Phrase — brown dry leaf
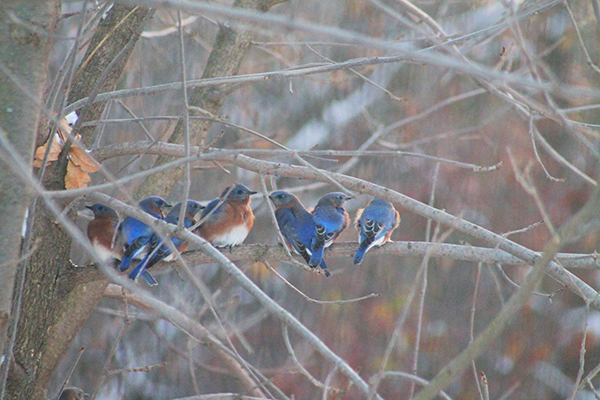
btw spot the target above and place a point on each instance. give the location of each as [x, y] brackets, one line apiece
[77, 154]
[64, 130]
[52, 156]
[62, 133]
[76, 177]
[80, 162]
[82, 159]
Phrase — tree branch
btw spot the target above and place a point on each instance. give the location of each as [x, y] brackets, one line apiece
[275, 252]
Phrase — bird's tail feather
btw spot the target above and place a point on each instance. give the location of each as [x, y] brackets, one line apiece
[360, 253]
[316, 257]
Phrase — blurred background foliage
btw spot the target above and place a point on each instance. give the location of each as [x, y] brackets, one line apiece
[537, 357]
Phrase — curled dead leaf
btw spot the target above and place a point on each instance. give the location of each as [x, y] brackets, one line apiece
[52, 156]
[80, 162]
[76, 177]
[82, 159]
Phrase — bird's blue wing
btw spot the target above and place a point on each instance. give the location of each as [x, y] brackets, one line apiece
[329, 222]
[374, 223]
[136, 235]
[209, 208]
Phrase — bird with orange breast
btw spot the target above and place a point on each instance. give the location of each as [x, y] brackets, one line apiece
[226, 221]
[104, 234]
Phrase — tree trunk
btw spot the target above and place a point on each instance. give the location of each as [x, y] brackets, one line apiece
[53, 311]
[24, 57]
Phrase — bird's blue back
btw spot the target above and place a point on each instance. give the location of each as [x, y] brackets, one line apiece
[330, 219]
[138, 235]
[376, 220]
[333, 219]
[193, 207]
[380, 211]
[296, 225]
[210, 206]
[133, 229]
[238, 193]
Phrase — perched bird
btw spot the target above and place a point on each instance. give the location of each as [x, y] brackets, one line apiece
[229, 223]
[73, 393]
[375, 224]
[163, 251]
[330, 219]
[137, 235]
[296, 225]
[104, 234]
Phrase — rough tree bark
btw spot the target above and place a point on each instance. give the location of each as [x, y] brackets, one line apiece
[51, 316]
[25, 28]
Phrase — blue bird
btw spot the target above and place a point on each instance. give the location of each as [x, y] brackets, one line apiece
[137, 235]
[104, 233]
[330, 219]
[163, 252]
[229, 223]
[296, 225]
[375, 224]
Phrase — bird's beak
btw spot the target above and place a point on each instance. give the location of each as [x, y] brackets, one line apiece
[252, 192]
[89, 207]
[349, 198]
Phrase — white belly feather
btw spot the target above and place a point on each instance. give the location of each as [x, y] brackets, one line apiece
[233, 237]
[104, 254]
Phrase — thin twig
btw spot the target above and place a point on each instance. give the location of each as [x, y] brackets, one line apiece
[376, 379]
[187, 181]
[68, 377]
[311, 300]
[298, 364]
[591, 64]
[472, 327]
[486, 388]
[524, 179]
[582, 353]
[105, 371]
[423, 291]
[537, 155]
[146, 368]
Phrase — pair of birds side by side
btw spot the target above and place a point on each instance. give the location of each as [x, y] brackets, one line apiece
[309, 233]
[122, 242]
[226, 221]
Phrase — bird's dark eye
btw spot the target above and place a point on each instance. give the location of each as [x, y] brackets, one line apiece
[280, 196]
[240, 191]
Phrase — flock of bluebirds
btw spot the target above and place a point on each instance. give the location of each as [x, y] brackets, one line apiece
[227, 220]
